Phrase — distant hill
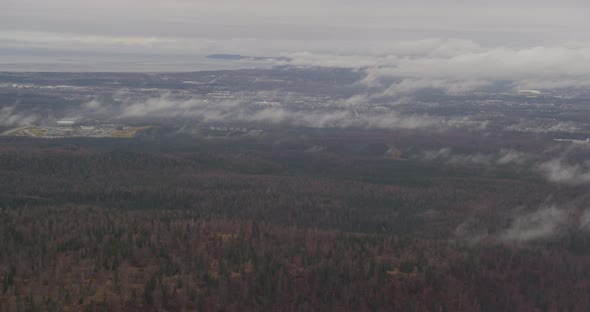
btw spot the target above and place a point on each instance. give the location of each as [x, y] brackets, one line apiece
[236, 57]
[226, 56]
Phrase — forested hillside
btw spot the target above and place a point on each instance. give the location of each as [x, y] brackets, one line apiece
[239, 225]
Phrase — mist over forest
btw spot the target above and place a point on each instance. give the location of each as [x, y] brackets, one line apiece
[294, 156]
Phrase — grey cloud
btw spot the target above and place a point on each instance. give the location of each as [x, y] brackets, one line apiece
[317, 149]
[532, 48]
[548, 221]
[556, 170]
[9, 117]
[503, 157]
[544, 223]
[329, 32]
[304, 18]
[443, 153]
[584, 220]
[458, 66]
[451, 65]
[546, 126]
[230, 110]
[559, 171]
[508, 156]
[468, 70]
[472, 230]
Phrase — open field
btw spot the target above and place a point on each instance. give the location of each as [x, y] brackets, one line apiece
[101, 131]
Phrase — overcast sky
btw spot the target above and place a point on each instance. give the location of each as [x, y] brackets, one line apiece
[353, 33]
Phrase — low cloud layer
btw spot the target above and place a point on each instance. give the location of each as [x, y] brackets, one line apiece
[396, 69]
[167, 107]
[467, 68]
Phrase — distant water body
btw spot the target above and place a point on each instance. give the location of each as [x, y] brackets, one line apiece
[126, 63]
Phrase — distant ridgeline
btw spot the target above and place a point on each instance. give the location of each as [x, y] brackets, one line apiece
[236, 57]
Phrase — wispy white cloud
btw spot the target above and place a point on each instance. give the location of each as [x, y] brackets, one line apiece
[10, 117]
[502, 157]
[232, 111]
[544, 223]
[474, 68]
[548, 221]
[560, 171]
